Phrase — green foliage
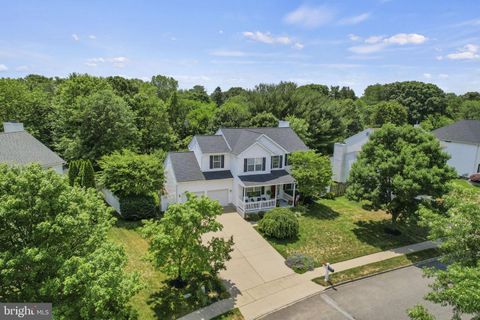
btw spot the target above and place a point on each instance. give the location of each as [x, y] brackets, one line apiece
[300, 262]
[137, 207]
[396, 166]
[217, 96]
[234, 113]
[81, 173]
[166, 86]
[312, 172]
[300, 126]
[263, 119]
[65, 257]
[279, 223]
[388, 112]
[470, 109]
[126, 173]
[433, 122]
[176, 244]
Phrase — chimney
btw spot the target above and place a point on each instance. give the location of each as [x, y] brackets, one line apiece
[13, 126]
[283, 124]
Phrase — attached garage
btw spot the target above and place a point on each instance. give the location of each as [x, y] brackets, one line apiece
[219, 195]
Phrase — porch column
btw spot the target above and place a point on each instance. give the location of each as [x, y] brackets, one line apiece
[243, 198]
[293, 201]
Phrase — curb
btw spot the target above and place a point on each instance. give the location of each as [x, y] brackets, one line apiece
[380, 272]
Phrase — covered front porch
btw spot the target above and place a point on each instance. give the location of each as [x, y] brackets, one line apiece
[264, 192]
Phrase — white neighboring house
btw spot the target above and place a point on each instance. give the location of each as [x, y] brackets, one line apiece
[244, 167]
[18, 147]
[345, 154]
[461, 140]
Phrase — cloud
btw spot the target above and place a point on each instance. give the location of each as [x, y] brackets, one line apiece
[228, 53]
[118, 62]
[3, 67]
[92, 37]
[220, 31]
[268, 38]
[468, 52]
[427, 75]
[355, 19]
[378, 43]
[309, 17]
[354, 37]
[443, 76]
[75, 37]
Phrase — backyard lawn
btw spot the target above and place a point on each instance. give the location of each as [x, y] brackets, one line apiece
[339, 229]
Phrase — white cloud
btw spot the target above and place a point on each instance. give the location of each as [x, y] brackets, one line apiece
[468, 52]
[309, 17]
[118, 62]
[228, 53]
[354, 37]
[75, 37]
[355, 19]
[427, 75]
[443, 76]
[406, 38]
[3, 67]
[268, 38]
[298, 46]
[92, 36]
[378, 43]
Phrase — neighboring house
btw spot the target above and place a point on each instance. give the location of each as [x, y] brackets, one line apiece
[18, 147]
[461, 140]
[345, 154]
[244, 167]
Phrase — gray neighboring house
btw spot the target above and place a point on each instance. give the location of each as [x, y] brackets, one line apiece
[244, 167]
[18, 147]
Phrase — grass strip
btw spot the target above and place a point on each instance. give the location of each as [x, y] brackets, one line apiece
[233, 314]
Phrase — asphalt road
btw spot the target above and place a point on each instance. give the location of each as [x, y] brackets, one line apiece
[382, 297]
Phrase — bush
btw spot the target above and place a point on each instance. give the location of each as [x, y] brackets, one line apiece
[136, 207]
[280, 223]
[255, 216]
[300, 263]
[329, 196]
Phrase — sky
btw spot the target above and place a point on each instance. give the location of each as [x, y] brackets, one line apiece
[242, 43]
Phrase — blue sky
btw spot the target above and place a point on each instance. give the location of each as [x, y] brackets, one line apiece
[243, 43]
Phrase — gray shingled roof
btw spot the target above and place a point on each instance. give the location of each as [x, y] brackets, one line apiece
[212, 144]
[275, 177]
[186, 168]
[240, 139]
[462, 131]
[22, 148]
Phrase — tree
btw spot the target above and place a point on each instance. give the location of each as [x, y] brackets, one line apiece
[434, 121]
[388, 112]
[234, 113]
[54, 247]
[217, 96]
[81, 173]
[312, 172]
[177, 245]
[470, 109]
[396, 167]
[200, 119]
[300, 126]
[127, 173]
[456, 221]
[351, 115]
[166, 86]
[263, 119]
[197, 93]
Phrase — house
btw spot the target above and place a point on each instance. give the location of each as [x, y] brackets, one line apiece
[345, 154]
[244, 167]
[18, 147]
[461, 140]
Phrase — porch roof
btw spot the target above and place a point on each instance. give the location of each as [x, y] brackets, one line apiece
[275, 177]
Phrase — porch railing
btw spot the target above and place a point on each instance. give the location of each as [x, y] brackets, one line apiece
[258, 205]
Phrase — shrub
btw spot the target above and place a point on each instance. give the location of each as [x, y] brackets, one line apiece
[329, 196]
[254, 216]
[280, 223]
[300, 262]
[136, 207]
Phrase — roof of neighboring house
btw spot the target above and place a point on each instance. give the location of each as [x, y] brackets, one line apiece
[275, 177]
[212, 144]
[22, 148]
[186, 168]
[461, 131]
[239, 139]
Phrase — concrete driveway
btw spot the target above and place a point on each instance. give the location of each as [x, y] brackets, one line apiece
[386, 296]
[257, 276]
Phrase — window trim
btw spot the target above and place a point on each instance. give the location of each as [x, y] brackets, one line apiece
[217, 161]
[257, 165]
[279, 164]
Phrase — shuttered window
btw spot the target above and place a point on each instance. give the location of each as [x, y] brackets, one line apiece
[254, 164]
[217, 161]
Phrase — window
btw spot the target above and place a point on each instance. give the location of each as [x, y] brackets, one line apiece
[277, 162]
[217, 161]
[254, 164]
[288, 188]
[254, 191]
[287, 160]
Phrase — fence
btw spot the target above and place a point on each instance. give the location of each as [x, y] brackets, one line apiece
[338, 188]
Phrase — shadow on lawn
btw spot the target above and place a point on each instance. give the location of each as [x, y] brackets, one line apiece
[321, 211]
[373, 233]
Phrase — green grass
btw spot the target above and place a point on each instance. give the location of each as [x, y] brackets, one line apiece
[339, 229]
[377, 267]
[126, 234]
[465, 184]
[234, 314]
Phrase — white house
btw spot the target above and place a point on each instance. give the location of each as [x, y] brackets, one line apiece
[461, 140]
[244, 167]
[345, 154]
[18, 147]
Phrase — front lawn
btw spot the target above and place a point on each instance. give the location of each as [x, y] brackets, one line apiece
[339, 229]
[234, 314]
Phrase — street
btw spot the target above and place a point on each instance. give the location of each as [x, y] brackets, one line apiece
[386, 296]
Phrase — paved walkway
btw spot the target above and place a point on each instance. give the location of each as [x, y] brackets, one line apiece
[260, 282]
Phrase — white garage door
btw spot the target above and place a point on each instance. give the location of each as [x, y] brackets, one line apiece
[220, 195]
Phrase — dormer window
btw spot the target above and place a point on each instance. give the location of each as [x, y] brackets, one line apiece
[277, 162]
[254, 164]
[217, 161]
